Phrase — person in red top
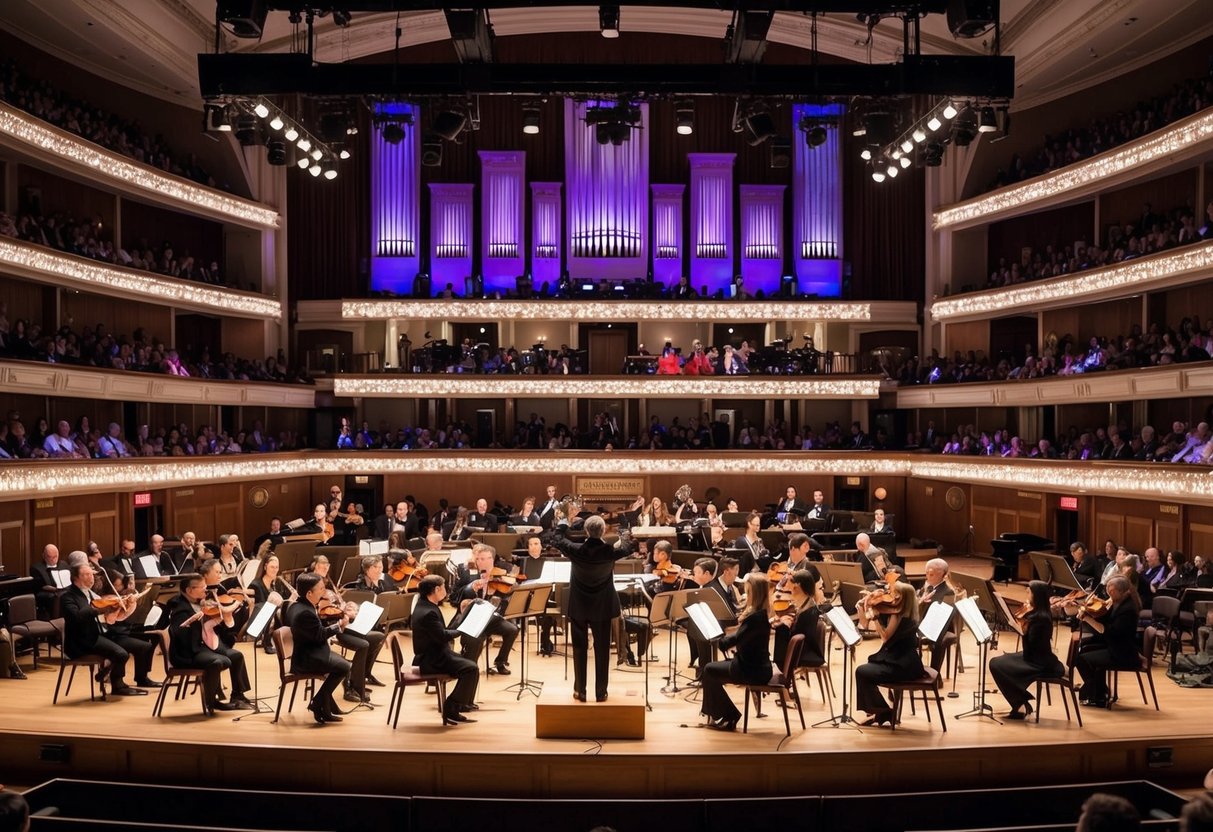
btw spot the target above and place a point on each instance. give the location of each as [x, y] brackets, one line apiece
[667, 365]
[698, 364]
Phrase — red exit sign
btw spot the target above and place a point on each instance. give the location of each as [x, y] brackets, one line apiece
[143, 499]
[1068, 504]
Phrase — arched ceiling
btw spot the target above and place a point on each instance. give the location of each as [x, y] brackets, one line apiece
[1060, 46]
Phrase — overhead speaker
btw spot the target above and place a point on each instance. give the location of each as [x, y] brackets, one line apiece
[275, 152]
[246, 17]
[971, 18]
[431, 151]
[449, 124]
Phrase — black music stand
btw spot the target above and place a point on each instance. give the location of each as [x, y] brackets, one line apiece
[677, 613]
[845, 627]
[1054, 570]
[254, 629]
[523, 603]
[973, 617]
[659, 613]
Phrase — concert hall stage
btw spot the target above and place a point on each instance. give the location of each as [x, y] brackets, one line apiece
[499, 756]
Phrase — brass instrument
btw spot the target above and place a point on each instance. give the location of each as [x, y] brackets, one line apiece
[683, 494]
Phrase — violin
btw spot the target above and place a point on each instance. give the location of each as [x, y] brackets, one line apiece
[1094, 606]
[885, 601]
[669, 573]
[108, 603]
[328, 610]
[326, 532]
[1072, 597]
[407, 576]
[503, 581]
[777, 575]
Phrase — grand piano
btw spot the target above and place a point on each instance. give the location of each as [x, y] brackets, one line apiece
[1007, 548]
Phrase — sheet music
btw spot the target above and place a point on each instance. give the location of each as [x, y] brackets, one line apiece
[844, 626]
[937, 618]
[460, 557]
[368, 617]
[1012, 622]
[477, 619]
[61, 577]
[153, 617]
[151, 566]
[372, 547]
[635, 579]
[248, 571]
[705, 620]
[257, 626]
[558, 572]
[974, 620]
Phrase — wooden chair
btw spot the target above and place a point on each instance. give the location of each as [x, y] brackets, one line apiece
[25, 624]
[782, 684]
[1065, 682]
[178, 678]
[1145, 668]
[284, 644]
[931, 681]
[94, 664]
[408, 676]
[822, 669]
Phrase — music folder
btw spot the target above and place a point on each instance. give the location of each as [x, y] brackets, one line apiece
[151, 566]
[974, 620]
[556, 572]
[61, 577]
[705, 620]
[368, 617]
[844, 626]
[937, 618]
[256, 626]
[477, 618]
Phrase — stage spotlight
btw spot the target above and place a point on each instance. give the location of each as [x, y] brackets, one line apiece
[275, 152]
[987, 123]
[877, 175]
[964, 129]
[261, 109]
[920, 135]
[949, 111]
[304, 144]
[934, 123]
[216, 117]
[392, 133]
[277, 123]
[344, 154]
[761, 126]
[291, 133]
[865, 154]
[906, 146]
[684, 114]
[816, 136]
[431, 151]
[904, 161]
[317, 154]
[892, 171]
[330, 174]
[449, 124]
[608, 21]
[314, 170]
[932, 154]
[530, 119]
[303, 163]
[246, 130]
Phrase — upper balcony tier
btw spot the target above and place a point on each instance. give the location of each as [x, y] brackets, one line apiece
[1177, 145]
[35, 140]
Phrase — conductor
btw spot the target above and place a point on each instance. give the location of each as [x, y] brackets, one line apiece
[593, 601]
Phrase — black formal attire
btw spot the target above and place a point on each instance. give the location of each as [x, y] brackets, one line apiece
[433, 654]
[870, 575]
[593, 602]
[1014, 672]
[383, 527]
[885, 529]
[384, 584]
[119, 564]
[84, 633]
[805, 624]
[43, 597]
[547, 513]
[449, 532]
[497, 626]
[897, 660]
[482, 521]
[796, 507]
[407, 527]
[188, 648]
[941, 592]
[261, 595]
[364, 653]
[1116, 649]
[312, 653]
[702, 651]
[749, 554]
[1089, 572]
[751, 664]
[817, 512]
[531, 519]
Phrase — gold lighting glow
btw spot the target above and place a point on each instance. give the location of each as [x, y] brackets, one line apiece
[627, 387]
[1129, 277]
[93, 275]
[597, 310]
[96, 160]
[1154, 147]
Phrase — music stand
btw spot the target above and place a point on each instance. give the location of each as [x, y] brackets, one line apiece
[522, 603]
[262, 615]
[1054, 570]
[659, 613]
[976, 622]
[677, 613]
[845, 627]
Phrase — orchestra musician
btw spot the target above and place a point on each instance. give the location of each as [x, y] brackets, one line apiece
[196, 640]
[534, 552]
[480, 518]
[546, 514]
[230, 556]
[527, 516]
[86, 630]
[217, 585]
[1115, 647]
[726, 583]
[123, 562]
[473, 584]
[384, 523]
[808, 604]
[371, 577]
[1086, 568]
[1014, 672]
[670, 576]
[364, 648]
[312, 653]
[819, 510]
[319, 524]
[433, 654]
[897, 660]
[715, 525]
[653, 514]
[701, 651]
[405, 521]
[791, 505]
[751, 551]
[274, 535]
[879, 526]
[47, 589]
[936, 586]
[873, 559]
[457, 529]
[751, 663]
[593, 601]
[269, 587]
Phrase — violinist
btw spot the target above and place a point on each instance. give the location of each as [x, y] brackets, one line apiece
[1015, 672]
[897, 660]
[476, 583]
[936, 586]
[48, 588]
[873, 559]
[320, 524]
[808, 602]
[312, 653]
[371, 577]
[124, 561]
[1086, 569]
[273, 536]
[433, 654]
[527, 516]
[726, 583]
[365, 648]
[751, 551]
[230, 556]
[670, 576]
[201, 635]
[404, 569]
[86, 623]
[703, 574]
[228, 589]
[751, 663]
[268, 587]
[1115, 647]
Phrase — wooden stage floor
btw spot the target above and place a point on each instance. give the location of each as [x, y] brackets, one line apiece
[499, 755]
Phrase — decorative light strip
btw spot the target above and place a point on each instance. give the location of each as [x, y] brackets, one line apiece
[23, 480]
[98, 160]
[599, 310]
[1129, 276]
[1158, 145]
[94, 275]
[626, 387]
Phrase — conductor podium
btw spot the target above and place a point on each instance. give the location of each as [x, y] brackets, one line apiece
[559, 716]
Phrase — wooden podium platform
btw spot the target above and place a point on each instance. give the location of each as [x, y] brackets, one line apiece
[559, 716]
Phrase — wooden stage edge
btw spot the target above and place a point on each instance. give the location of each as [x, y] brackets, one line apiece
[578, 773]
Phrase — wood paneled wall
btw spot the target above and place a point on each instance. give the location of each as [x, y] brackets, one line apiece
[50, 194]
[71, 522]
[998, 511]
[119, 316]
[970, 335]
[1137, 524]
[1164, 194]
[1082, 322]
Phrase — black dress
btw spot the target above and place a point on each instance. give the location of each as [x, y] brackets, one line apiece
[1014, 672]
[896, 661]
[751, 665]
